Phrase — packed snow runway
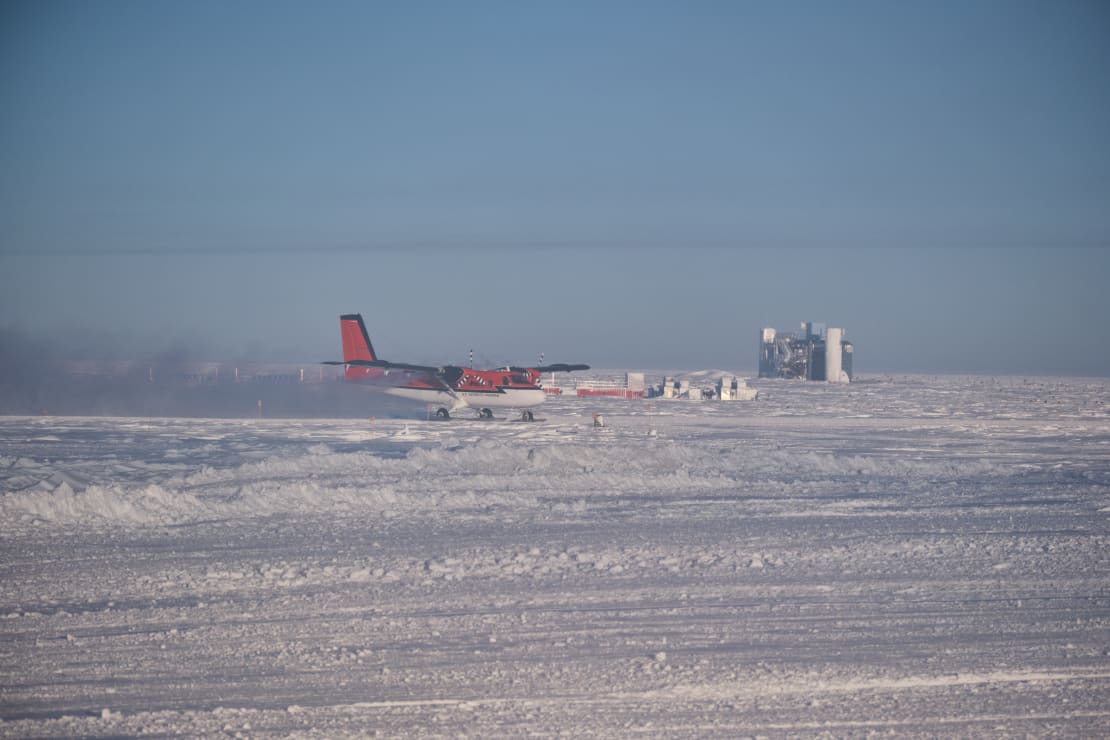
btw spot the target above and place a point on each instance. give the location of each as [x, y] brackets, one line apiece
[912, 556]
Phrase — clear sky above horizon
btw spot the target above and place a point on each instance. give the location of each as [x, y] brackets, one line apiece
[626, 184]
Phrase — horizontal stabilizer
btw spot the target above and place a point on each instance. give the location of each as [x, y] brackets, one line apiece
[557, 368]
[385, 365]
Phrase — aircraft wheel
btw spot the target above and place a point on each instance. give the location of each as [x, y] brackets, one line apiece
[442, 413]
[485, 414]
[527, 416]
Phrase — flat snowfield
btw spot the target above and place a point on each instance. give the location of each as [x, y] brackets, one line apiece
[903, 556]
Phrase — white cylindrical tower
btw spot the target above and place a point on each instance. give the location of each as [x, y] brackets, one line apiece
[832, 354]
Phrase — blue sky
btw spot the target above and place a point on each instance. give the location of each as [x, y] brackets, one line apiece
[626, 184]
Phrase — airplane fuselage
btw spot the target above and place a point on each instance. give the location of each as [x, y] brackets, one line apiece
[516, 398]
[465, 387]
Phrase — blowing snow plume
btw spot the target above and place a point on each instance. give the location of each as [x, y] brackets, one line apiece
[28, 369]
[73, 377]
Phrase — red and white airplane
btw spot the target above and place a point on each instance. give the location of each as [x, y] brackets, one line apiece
[449, 387]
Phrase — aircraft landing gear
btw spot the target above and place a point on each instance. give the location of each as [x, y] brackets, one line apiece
[485, 414]
[442, 413]
[527, 416]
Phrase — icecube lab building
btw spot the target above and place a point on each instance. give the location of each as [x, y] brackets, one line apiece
[808, 355]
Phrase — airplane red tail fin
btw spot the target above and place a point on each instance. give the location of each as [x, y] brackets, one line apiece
[356, 344]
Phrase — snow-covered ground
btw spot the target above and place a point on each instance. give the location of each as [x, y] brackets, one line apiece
[910, 555]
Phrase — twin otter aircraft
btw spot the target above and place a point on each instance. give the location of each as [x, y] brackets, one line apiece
[449, 387]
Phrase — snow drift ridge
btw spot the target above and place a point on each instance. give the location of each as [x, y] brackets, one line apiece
[425, 480]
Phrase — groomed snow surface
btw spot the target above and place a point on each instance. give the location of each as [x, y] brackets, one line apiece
[903, 556]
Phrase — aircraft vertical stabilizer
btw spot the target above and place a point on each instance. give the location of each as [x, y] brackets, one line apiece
[356, 344]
